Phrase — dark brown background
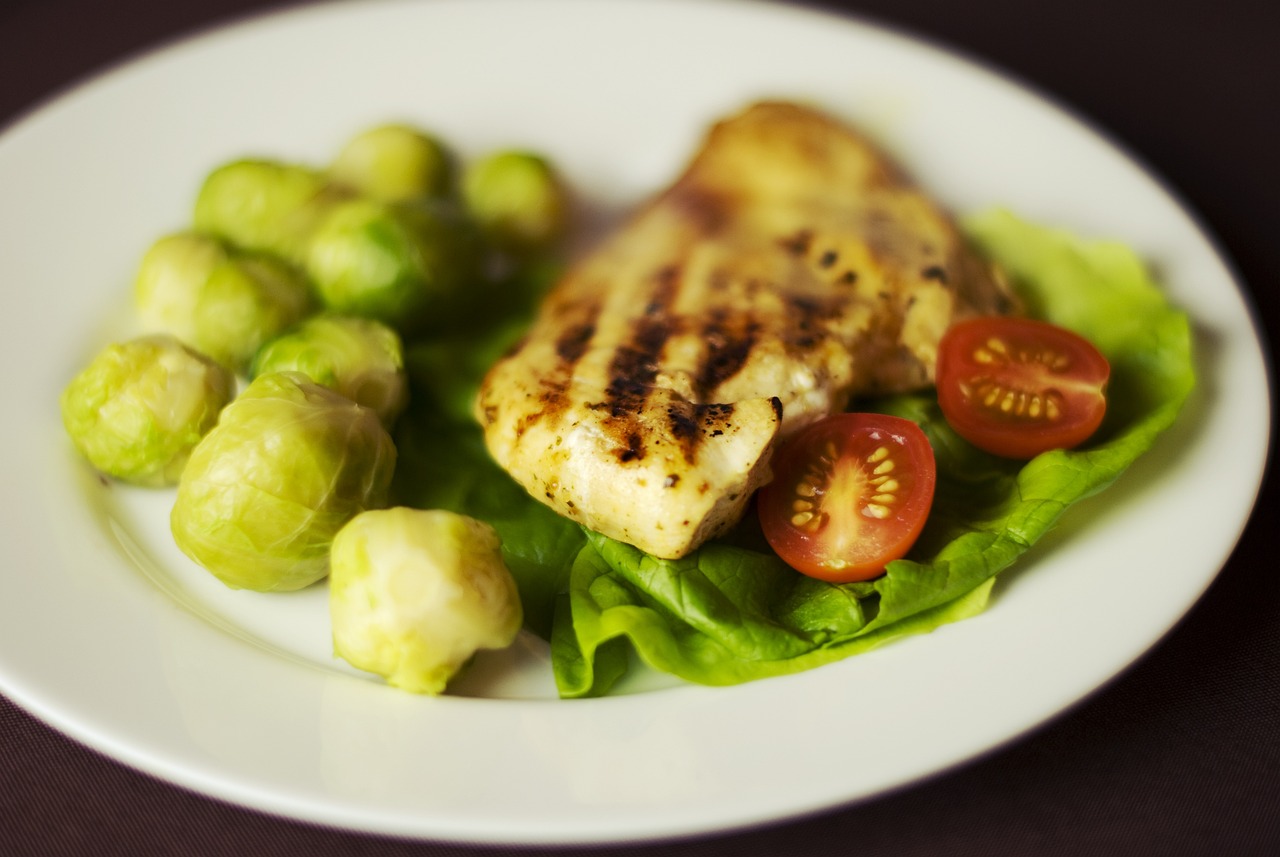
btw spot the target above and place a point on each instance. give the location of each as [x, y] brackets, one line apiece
[1179, 756]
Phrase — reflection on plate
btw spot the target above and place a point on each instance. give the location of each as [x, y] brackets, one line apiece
[107, 632]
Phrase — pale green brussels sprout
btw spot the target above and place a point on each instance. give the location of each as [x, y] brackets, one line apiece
[405, 265]
[224, 303]
[518, 199]
[360, 358]
[414, 594]
[393, 163]
[287, 465]
[264, 205]
[140, 407]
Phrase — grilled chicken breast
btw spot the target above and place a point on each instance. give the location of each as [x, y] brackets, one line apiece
[790, 268]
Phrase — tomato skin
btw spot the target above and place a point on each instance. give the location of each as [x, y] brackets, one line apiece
[1018, 387]
[850, 494]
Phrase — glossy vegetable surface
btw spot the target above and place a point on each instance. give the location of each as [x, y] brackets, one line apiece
[404, 265]
[140, 407]
[393, 163]
[224, 302]
[359, 358]
[518, 199]
[264, 205]
[264, 493]
[415, 593]
[849, 495]
[1018, 387]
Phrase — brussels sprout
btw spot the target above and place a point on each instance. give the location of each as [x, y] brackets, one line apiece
[263, 205]
[403, 265]
[360, 358]
[393, 163]
[287, 465]
[140, 407]
[414, 594]
[518, 199]
[223, 303]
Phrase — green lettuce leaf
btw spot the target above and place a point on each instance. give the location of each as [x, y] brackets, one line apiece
[732, 611]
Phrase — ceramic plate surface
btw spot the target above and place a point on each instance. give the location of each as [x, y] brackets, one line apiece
[111, 635]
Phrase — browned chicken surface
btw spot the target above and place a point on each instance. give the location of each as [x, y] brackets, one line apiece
[790, 268]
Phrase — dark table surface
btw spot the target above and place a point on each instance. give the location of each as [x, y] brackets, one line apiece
[1180, 755]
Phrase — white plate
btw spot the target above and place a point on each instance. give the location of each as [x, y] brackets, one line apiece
[109, 634]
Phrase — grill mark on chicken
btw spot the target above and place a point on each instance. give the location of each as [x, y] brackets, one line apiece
[810, 317]
[552, 400]
[683, 423]
[635, 364]
[703, 208]
[934, 272]
[634, 367]
[570, 346]
[573, 344]
[690, 424]
[729, 339]
[715, 418]
[797, 244]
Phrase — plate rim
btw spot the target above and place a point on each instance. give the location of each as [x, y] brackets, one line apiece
[68, 723]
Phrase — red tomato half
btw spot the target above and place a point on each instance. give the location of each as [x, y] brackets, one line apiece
[850, 493]
[1018, 387]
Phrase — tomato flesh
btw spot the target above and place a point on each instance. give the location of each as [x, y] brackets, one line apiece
[1017, 387]
[850, 494]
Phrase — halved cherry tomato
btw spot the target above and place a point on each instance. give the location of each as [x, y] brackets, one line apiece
[850, 493]
[1017, 387]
